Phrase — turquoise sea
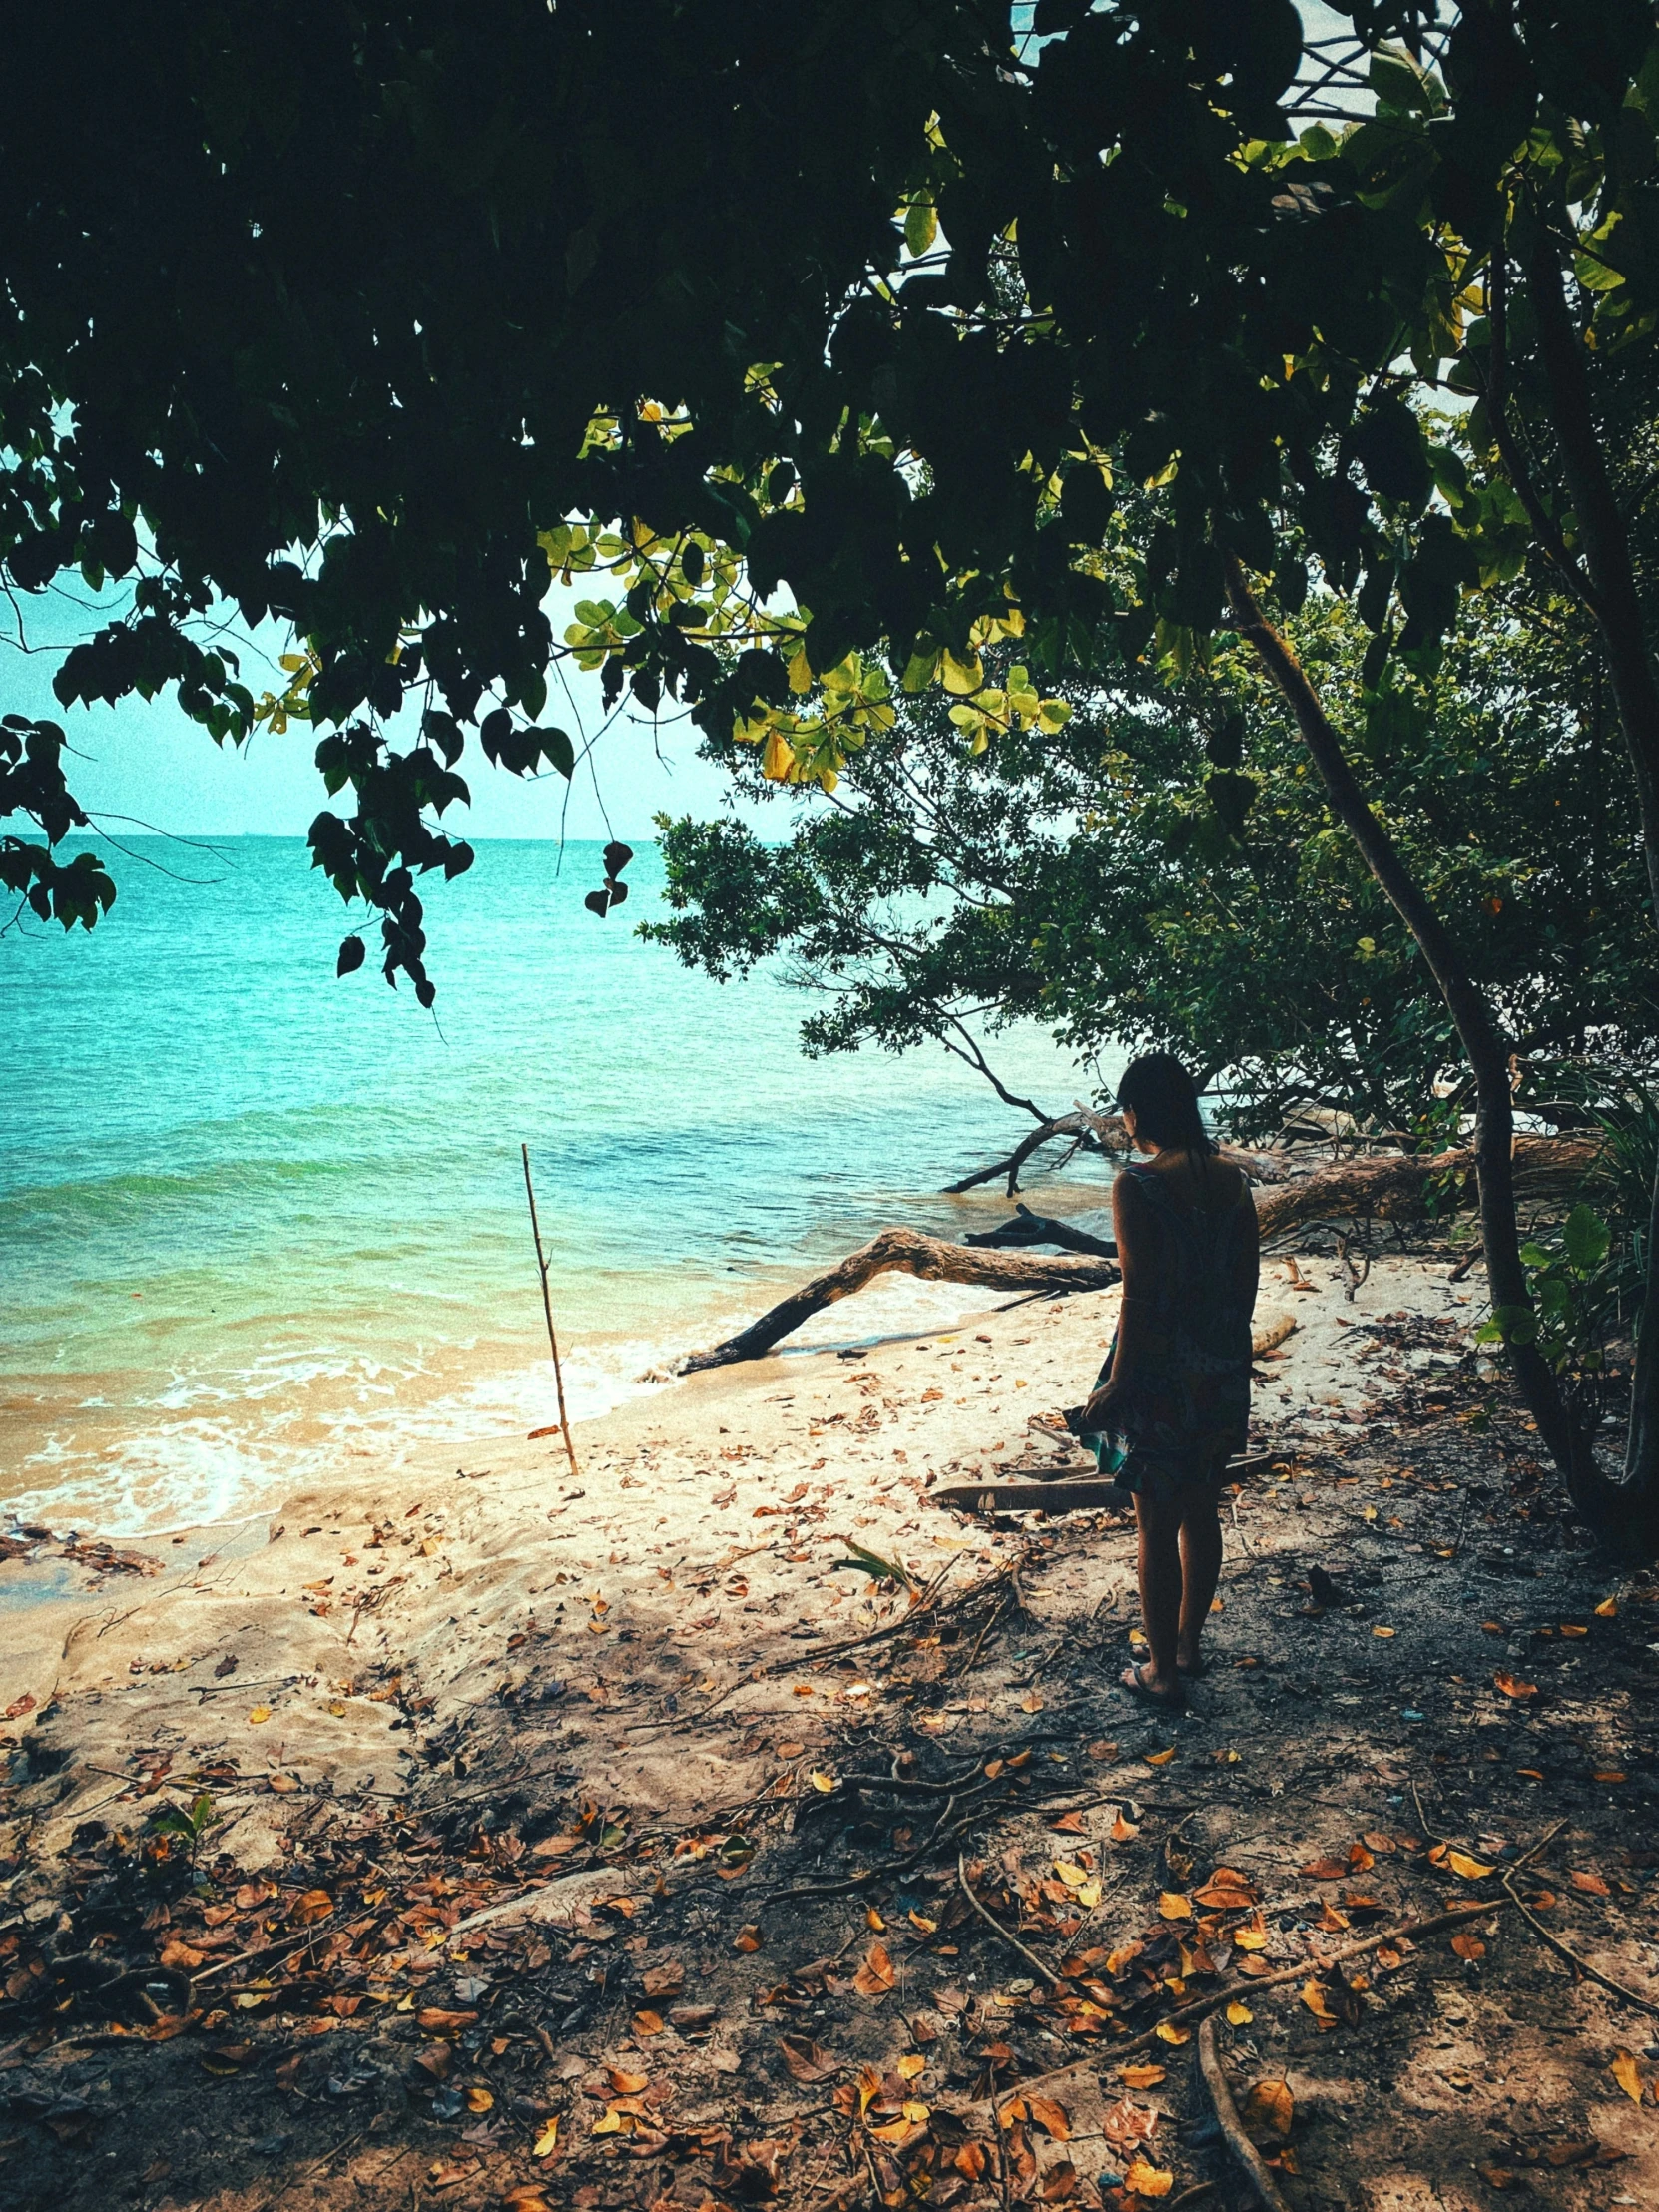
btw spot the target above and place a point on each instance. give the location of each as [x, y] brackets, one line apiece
[255, 1221]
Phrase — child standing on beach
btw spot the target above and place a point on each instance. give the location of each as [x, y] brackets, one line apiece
[1172, 1403]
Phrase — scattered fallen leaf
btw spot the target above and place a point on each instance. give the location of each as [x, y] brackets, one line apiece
[1160, 1758]
[1168, 2032]
[664, 1982]
[747, 1939]
[809, 2061]
[1468, 1947]
[1140, 2078]
[547, 2142]
[1239, 2015]
[1497, 2177]
[259, 1716]
[1384, 1631]
[1512, 1686]
[876, 1976]
[1471, 1869]
[1624, 2072]
[1143, 2180]
[1173, 1906]
[1050, 2117]
[1592, 1884]
[626, 2084]
[648, 2023]
[823, 1782]
[1325, 1870]
[1608, 1609]
[1268, 2110]
[436, 2021]
[1122, 1829]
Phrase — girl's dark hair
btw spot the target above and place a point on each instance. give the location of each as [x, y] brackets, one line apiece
[1161, 1095]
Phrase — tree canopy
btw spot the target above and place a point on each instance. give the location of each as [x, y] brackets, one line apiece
[1129, 884]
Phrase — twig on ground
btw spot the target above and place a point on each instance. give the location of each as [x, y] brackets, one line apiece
[1248, 2158]
[1565, 1951]
[990, 1920]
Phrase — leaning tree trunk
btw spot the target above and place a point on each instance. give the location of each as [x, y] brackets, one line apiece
[1562, 1436]
[912, 1253]
[1616, 607]
[1553, 1169]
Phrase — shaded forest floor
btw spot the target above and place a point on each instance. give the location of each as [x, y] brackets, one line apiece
[900, 1901]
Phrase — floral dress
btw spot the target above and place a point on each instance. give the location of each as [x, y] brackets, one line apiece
[1187, 1412]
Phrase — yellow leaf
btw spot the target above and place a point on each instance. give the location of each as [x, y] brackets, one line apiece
[480, 2100]
[1239, 2015]
[963, 677]
[1623, 2070]
[1088, 1897]
[874, 1920]
[259, 1716]
[1608, 1609]
[613, 2123]
[648, 2023]
[912, 2064]
[1160, 1758]
[1070, 1873]
[1382, 1632]
[914, 2110]
[823, 1782]
[1143, 2180]
[1140, 2078]
[1168, 2032]
[1172, 1906]
[1313, 1995]
[1471, 1869]
[1268, 2109]
[547, 2141]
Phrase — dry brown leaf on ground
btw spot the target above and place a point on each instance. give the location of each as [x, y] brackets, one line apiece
[1140, 2078]
[1052, 2118]
[1624, 2071]
[806, 2059]
[1591, 1885]
[1268, 2110]
[664, 1982]
[1467, 1945]
[1126, 2123]
[1512, 1686]
[876, 1975]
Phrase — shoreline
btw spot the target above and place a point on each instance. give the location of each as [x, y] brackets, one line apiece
[423, 1569]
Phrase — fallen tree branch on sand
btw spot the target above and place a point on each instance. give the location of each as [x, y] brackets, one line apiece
[1548, 1170]
[909, 1253]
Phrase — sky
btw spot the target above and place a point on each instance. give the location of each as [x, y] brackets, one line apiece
[147, 762]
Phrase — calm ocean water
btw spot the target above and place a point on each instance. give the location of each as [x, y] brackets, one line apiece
[255, 1221]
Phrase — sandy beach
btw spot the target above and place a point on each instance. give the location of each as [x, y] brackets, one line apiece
[604, 1842]
[712, 1521]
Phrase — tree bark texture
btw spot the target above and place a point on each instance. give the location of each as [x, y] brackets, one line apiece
[1548, 1170]
[1616, 606]
[911, 1253]
[1484, 1045]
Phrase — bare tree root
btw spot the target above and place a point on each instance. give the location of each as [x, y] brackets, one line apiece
[1238, 2142]
[910, 1252]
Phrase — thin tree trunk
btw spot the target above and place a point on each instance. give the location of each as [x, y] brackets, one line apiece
[1484, 1045]
[1616, 606]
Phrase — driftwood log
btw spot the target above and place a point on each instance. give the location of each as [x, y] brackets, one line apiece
[1099, 1132]
[910, 1252]
[1548, 1171]
[1028, 1228]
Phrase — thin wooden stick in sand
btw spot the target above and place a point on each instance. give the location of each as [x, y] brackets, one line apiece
[547, 1309]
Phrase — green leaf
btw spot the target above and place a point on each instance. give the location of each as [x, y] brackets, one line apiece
[1585, 1239]
[921, 223]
